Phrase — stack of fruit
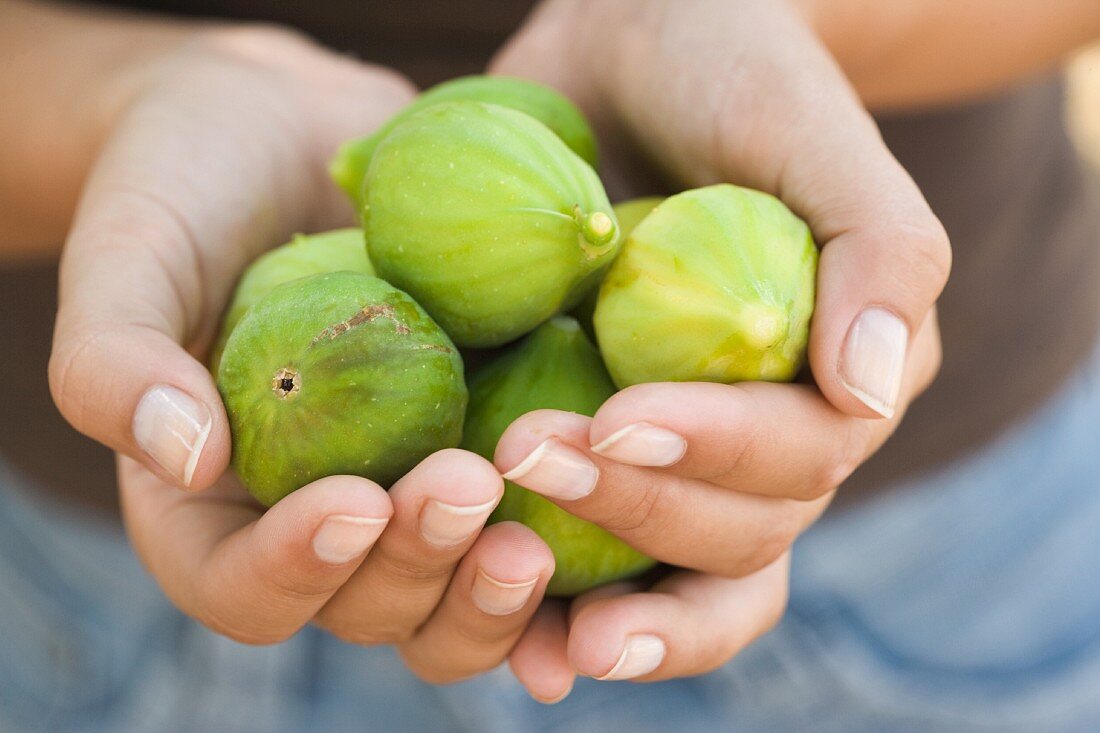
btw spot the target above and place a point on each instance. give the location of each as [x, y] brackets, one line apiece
[483, 223]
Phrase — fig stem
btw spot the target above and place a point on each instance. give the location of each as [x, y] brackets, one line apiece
[597, 230]
[551, 212]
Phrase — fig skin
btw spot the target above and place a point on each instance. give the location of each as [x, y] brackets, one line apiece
[305, 254]
[348, 167]
[339, 373]
[555, 367]
[487, 219]
[629, 214]
[715, 285]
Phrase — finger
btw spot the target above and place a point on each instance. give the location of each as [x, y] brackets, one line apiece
[885, 257]
[439, 509]
[760, 438]
[680, 521]
[496, 590]
[160, 235]
[755, 117]
[254, 577]
[687, 625]
[539, 660]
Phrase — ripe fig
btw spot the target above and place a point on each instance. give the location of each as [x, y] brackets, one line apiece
[555, 367]
[485, 217]
[313, 254]
[349, 167]
[716, 285]
[630, 213]
[339, 373]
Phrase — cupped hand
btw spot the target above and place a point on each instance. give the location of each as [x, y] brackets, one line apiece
[714, 478]
[411, 567]
[219, 152]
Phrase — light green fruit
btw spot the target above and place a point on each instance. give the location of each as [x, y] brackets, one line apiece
[485, 217]
[337, 374]
[313, 254]
[628, 214]
[715, 285]
[349, 167]
[555, 367]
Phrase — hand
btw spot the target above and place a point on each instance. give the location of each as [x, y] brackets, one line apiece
[722, 479]
[219, 153]
[407, 567]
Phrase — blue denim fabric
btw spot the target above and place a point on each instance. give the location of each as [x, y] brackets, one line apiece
[968, 600]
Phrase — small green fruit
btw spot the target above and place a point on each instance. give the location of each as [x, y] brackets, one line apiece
[349, 167]
[337, 374]
[485, 217]
[715, 285]
[340, 249]
[557, 368]
[628, 214]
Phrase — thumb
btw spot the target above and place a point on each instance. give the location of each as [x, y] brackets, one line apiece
[747, 94]
[217, 160]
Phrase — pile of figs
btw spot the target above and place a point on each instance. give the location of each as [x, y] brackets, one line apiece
[486, 234]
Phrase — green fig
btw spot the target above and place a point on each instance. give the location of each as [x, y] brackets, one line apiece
[715, 285]
[555, 367]
[628, 214]
[338, 373]
[340, 249]
[485, 217]
[349, 167]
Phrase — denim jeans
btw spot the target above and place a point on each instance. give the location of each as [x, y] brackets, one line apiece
[965, 600]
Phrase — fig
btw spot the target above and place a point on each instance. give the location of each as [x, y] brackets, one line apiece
[554, 367]
[338, 373]
[349, 167]
[487, 219]
[340, 249]
[716, 285]
[628, 214]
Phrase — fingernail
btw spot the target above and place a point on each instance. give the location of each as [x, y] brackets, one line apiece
[341, 538]
[172, 426]
[874, 358]
[447, 525]
[556, 470]
[497, 598]
[642, 654]
[643, 444]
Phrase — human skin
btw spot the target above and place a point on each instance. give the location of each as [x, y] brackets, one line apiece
[217, 153]
[162, 232]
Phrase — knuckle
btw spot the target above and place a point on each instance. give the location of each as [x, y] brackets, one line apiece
[640, 514]
[840, 462]
[288, 586]
[360, 635]
[70, 367]
[928, 258]
[253, 40]
[392, 83]
[776, 605]
[433, 674]
[242, 630]
[405, 571]
[744, 439]
[768, 546]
